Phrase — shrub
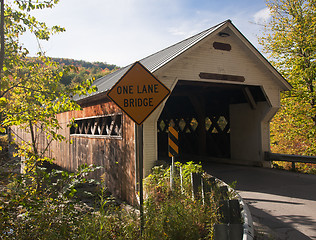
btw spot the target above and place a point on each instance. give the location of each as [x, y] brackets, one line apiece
[175, 214]
[48, 212]
[308, 168]
[52, 211]
[111, 221]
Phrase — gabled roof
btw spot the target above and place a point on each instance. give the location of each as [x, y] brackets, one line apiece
[161, 58]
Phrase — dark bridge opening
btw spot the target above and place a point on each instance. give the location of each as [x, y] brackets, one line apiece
[199, 111]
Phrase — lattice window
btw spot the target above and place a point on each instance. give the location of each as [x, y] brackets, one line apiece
[109, 125]
[217, 124]
[213, 124]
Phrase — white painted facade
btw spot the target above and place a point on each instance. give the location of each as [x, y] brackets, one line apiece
[249, 133]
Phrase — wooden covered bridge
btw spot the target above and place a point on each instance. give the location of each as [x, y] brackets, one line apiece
[223, 95]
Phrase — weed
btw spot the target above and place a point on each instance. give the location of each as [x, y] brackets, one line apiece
[175, 214]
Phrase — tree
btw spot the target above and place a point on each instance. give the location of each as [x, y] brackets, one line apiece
[16, 19]
[289, 40]
[31, 94]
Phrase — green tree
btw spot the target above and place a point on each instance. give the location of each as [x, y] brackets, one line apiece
[37, 204]
[289, 40]
[16, 19]
[31, 94]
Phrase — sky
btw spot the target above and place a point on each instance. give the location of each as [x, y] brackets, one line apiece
[121, 32]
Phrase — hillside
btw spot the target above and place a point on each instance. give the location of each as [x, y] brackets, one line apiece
[85, 70]
[85, 64]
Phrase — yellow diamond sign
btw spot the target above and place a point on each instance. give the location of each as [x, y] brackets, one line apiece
[138, 93]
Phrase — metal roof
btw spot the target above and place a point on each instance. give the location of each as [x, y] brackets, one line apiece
[161, 58]
[152, 62]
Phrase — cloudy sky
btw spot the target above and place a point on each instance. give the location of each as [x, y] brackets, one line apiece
[123, 31]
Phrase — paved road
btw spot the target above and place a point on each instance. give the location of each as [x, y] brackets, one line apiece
[283, 201]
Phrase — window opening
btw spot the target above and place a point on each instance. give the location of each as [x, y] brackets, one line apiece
[109, 125]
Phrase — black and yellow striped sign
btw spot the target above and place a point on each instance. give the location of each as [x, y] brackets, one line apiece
[173, 143]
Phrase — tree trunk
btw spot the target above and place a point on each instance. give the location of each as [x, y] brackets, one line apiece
[33, 138]
[2, 39]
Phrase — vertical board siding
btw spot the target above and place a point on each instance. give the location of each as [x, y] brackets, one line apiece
[115, 155]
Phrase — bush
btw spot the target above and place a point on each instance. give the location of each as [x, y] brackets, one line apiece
[50, 211]
[175, 214]
[53, 212]
[308, 168]
[111, 221]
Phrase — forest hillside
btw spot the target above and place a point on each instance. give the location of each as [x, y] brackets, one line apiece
[84, 70]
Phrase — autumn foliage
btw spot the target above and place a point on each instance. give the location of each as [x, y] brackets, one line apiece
[289, 40]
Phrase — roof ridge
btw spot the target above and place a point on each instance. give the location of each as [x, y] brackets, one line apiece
[184, 40]
[154, 61]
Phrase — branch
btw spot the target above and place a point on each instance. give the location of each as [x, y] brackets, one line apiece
[15, 134]
[9, 89]
[30, 89]
[33, 2]
[33, 138]
[48, 144]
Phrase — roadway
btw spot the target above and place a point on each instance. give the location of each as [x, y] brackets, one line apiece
[280, 201]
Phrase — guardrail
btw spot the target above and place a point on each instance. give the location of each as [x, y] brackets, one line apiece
[236, 220]
[248, 228]
[289, 158]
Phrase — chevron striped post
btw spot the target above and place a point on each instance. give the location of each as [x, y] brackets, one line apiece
[173, 149]
[173, 143]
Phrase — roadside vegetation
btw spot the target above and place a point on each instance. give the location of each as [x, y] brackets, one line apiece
[173, 213]
[56, 207]
[308, 168]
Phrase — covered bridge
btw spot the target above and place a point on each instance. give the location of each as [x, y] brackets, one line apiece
[223, 95]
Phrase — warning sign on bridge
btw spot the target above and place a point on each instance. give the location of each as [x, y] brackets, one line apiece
[138, 93]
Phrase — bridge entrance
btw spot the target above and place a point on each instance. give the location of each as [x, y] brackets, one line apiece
[200, 111]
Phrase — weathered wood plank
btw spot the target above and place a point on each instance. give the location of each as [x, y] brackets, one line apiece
[222, 77]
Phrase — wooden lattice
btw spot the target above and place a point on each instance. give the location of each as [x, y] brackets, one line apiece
[212, 139]
[213, 124]
[110, 125]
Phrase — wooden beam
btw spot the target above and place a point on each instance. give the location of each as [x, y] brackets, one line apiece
[249, 98]
[198, 103]
[222, 77]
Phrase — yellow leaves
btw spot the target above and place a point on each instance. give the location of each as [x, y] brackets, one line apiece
[291, 43]
[292, 130]
[3, 101]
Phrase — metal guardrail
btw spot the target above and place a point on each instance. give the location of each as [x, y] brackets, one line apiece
[232, 211]
[289, 158]
[248, 228]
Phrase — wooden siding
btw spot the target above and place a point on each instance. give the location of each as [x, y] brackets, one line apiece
[115, 155]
